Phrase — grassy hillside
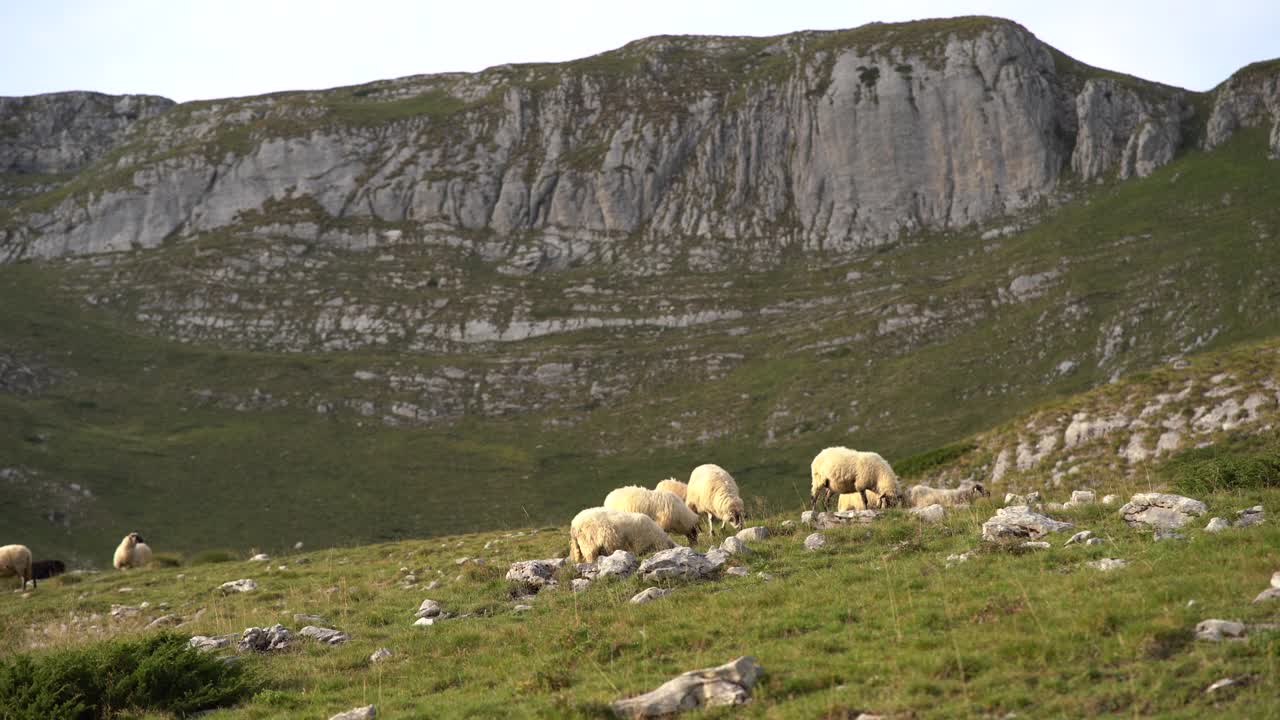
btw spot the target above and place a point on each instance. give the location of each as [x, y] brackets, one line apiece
[217, 442]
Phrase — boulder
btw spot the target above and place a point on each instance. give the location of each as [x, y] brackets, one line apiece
[1029, 499]
[1018, 521]
[368, 712]
[1081, 497]
[734, 546]
[929, 513]
[729, 684]
[1250, 516]
[1216, 525]
[205, 643]
[1218, 630]
[328, 636]
[620, 564]
[580, 584]
[259, 639]
[533, 575]
[1161, 510]
[815, 541]
[648, 594]
[677, 563]
[242, 586]
[753, 534]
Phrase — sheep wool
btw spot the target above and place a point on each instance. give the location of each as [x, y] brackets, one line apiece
[597, 532]
[132, 552]
[16, 560]
[853, 501]
[675, 487]
[923, 495]
[712, 490]
[838, 470]
[669, 511]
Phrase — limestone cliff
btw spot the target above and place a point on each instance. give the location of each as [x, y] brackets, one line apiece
[1249, 98]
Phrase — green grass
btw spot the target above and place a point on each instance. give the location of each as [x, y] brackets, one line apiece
[1241, 461]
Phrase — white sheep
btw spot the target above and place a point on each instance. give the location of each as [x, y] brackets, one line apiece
[132, 552]
[923, 495]
[598, 532]
[853, 501]
[16, 560]
[712, 490]
[675, 487]
[838, 470]
[669, 511]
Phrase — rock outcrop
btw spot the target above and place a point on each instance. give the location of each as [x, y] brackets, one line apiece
[1249, 98]
[67, 131]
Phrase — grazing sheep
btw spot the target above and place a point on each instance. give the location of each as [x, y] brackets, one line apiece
[45, 569]
[841, 470]
[132, 552]
[853, 501]
[16, 560]
[598, 532]
[923, 495]
[675, 487]
[669, 511]
[712, 490]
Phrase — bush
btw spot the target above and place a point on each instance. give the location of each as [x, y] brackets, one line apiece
[1238, 463]
[154, 673]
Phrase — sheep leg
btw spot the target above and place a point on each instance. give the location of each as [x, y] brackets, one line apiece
[711, 525]
[865, 503]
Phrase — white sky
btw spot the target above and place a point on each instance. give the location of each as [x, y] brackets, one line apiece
[197, 49]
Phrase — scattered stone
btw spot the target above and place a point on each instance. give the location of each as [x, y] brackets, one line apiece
[620, 564]
[368, 712]
[815, 541]
[1270, 593]
[328, 636]
[522, 608]
[1218, 630]
[930, 513]
[1161, 510]
[1093, 541]
[1036, 545]
[1250, 516]
[1217, 525]
[242, 586]
[1275, 580]
[428, 608]
[260, 557]
[717, 558]
[433, 585]
[1029, 499]
[307, 618]
[259, 639]
[297, 545]
[729, 684]
[1224, 682]
[1166, 534]
[580, 584]
[677, 563]
[1054, 506]
[424, 622]
[1110, 499]
[734, 546]
[1018, 521]
[955, 559]
[807, 516]
[204, 643]
[765, 576]
[648, 594]
[122, 612]
[1081, 497]
[1108, 564]
[737, 572]
[125, 590]
[534, 575]
[788, 524]
[844, 518]
[753, 534]
[1080, 537]
[380, 655]
[164, 621]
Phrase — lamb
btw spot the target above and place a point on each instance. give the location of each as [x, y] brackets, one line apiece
[969, 491]
[44, 569]
[841, 470]
[16, 560]
[675, 487]
[669, 511]
[853, 501]
[713, 490]
[132, 552]
[599, 532]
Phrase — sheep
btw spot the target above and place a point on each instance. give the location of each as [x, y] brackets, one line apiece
[16, 560]
[675, 487]
[598, 532]
[969, 491]
[44, 569]
[132, 552]
[853, 501]
[712, 490]
[841, 470]
[669, 511]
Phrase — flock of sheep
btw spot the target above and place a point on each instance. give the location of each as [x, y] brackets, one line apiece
[638, 519]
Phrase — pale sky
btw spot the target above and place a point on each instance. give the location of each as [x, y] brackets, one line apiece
[199, 49]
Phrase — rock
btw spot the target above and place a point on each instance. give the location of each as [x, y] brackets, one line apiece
[1271, 593]
[1029, 499]
[164, 621]
[1217, 525]
[380, 655]
[533, 575]
[522, 608]
[433, 585]
[1079, 537]
[123, 612]
[426, 621]
[1018, 521]
[1081, 497]
[677, 563]
[1219, 684]
[1250, 516]
[1161, 510]
[241, 586]
[204, 643]
[1275, 580]
[807, 516]
[1093, 541]
[368, 712]
[428, 608]
[580, 584]
[1108, 564]
[1218, 630]
[717, 558]
[843, 518]
[259, 639]
[648, 594]
[729, 684]
[1110, 499]
[1166, 534]
[815, 541]
[956, 559]
[930, 513]
[620, 564]
[328, 636]
[788, 524]
[753, 534]
[764, 576]
[737, 572]
[734, 546]
[260, 557]
[1036, 545]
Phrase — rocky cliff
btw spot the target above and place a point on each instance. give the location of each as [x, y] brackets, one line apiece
[833, 141]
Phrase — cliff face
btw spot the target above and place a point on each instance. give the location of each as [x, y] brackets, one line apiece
[1249, 98]
[835, 141]
[65, 132]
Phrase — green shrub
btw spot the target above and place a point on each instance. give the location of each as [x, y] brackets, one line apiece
[1241, 462]
[918, 464]
[167, 560]
[153, 673]
[206, 557]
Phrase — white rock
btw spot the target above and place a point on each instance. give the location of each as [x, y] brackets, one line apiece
[260, 557]
[648, 594]
[1018, 521]
[1079, 537]
[580, 584]
[380, 655]
[1268, 594]
[428, 608]
[954, 559]
[729, 684]
[934, 513]
[1161, 510]
[522, 608]
[1216, 630]
[815, 541]
[1275, 580]
[1219, 684]
[1250, 516]
[807, 516]
[788, 523]
[1093, 541]
[243, 585]
[734, 546]
[753, 534]
[1108, 564]
[737, 571]
[424, 622]
[1217, 525]
[368, 712]
[680, 563]
[619, 564]
[1110, 499]
[1036, 545]
[328, 636]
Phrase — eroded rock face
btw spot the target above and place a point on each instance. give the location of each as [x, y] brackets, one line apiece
[1161, 510]
[728, 684]
[1018, 521]
[63, 132]
[1250, 98]
[1123, 133]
